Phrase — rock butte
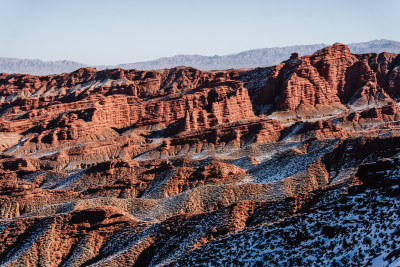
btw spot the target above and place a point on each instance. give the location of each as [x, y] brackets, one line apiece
[181, 166]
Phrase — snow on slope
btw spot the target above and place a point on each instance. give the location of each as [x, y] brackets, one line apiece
[358, 230]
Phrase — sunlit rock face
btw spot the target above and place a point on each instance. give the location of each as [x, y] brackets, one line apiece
[188, 167]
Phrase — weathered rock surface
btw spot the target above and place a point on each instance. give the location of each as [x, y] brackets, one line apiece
[173, 167]
[331, 76]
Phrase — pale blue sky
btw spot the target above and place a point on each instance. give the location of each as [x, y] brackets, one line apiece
[121, 31]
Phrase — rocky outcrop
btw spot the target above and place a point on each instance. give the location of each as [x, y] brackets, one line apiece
[128, 167]
[332, 75]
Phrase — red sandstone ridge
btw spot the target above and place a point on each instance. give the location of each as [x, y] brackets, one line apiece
[126, 167]
[331, 75]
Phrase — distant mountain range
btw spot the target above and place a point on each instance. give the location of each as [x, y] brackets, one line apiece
[37, 66]
[246, 59]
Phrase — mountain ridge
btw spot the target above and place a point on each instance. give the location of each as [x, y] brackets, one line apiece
[261, 57]
[291, 165]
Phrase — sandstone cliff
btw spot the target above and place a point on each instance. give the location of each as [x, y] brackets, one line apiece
[127, 167]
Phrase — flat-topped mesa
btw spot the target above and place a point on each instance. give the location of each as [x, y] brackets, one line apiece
[204, 107]
[119, 98]
[87, 81]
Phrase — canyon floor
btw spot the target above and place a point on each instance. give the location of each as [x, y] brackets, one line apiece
[296, 164]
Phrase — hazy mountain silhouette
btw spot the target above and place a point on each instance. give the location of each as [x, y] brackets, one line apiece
[246, 59]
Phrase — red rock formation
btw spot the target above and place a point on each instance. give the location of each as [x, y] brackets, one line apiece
[127, 167]
[331, 75]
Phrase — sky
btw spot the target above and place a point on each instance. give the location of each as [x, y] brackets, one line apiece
[109, 32]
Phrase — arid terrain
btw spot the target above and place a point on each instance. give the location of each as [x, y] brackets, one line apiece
[296, 164]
